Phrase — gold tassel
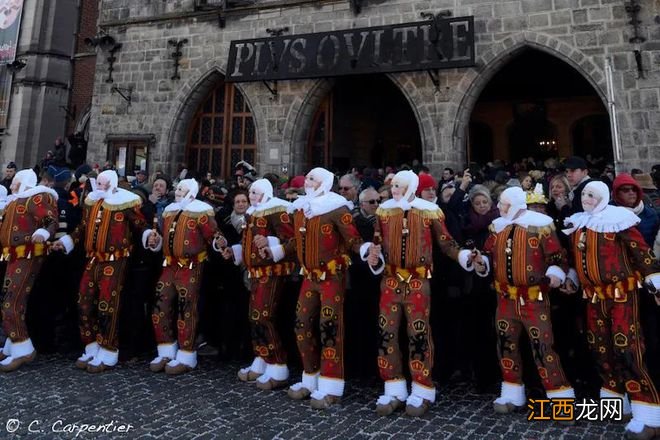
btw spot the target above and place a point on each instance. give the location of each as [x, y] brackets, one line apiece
[540, 298]
[522, 301]
[617, 293]
[165, 262]
[594, 299]
[584, 295]
[191, 265]
[639, 284]
[112, 257]
[322, 277]
[29, 255]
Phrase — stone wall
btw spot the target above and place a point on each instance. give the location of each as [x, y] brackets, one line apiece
[580, 32]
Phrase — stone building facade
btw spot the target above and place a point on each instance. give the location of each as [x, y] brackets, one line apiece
[40, 90]
[581, 33]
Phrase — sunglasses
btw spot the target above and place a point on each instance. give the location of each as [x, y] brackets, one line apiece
[373, 202]
[345, 188]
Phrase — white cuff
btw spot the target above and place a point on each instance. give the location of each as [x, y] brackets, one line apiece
[310, 381]
[20, 349]
[397, 388]
[237, 249]
[364, 254]
[487, 264]
[464, 258]
[273, 241]
[565, 393]
[331, 386]
[274, 371]
[573, 276]
[67, 242]
[646, 413]
[188, 358]
[653, 280]
[364, 250]
[512, 393]
[43, 233]
[145, 237]
[423, 392]
[215, 248]
[277, 252]
[556, 271]
[168, 350]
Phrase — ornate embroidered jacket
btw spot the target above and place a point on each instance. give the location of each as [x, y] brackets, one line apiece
[322, 242]
[521, 257]
[273, 222]
[610, 265]
[407, 238]
[187, 234]
[21, 218]
[105, 229]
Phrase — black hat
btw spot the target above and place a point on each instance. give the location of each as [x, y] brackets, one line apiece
[82, 169]
[576, 162]
[12, 165]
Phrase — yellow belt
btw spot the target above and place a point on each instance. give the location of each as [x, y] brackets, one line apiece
[26, 251]
[108, 256]
[185, 261]
[406, 275]
[333, 267]
[617, 291]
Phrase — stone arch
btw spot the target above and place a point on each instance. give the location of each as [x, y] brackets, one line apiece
[301, 113]
[490, 62]
[185, 104]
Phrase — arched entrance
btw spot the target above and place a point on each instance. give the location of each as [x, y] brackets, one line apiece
[363, 121]
[222, 132]
[538, 106]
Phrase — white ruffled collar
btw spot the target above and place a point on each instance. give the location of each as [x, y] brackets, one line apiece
[271, 203]
[527, 219]
[319, 205]
[194, 206]
[611, 219]
[32, 192]
[417, 203]
[119, 197]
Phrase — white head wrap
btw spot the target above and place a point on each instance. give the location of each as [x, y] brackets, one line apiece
[325, 177]
[515, 197]
[604, 217]
[597, 189]
[268, 201]
[193, 188]
[27, 179]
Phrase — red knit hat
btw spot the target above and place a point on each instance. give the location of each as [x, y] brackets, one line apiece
[425, 181]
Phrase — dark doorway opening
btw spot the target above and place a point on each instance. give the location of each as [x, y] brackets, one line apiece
[538, 106]
[364, 121]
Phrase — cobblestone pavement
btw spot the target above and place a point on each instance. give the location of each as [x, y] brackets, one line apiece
[210, 403]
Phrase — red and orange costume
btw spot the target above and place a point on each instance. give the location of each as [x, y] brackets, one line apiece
[525, 250]
[612, 259]
[106, 234]
[189, 228]
[269, 219]
[324, 234]
[30, 213]
[409, 228]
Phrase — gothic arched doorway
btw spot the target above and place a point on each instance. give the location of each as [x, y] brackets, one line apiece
[532, 105]
[363, 121]
[222, 132]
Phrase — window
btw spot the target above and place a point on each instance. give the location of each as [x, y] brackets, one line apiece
[222, 132]
[129, 154]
